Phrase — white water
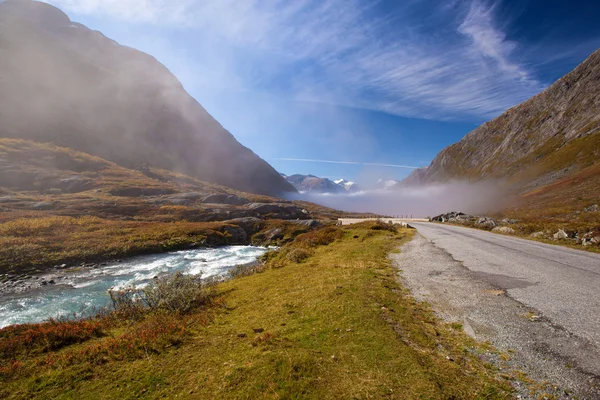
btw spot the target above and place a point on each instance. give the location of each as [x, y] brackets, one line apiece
[85, 290]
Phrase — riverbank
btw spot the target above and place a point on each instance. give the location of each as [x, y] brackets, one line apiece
[34, 245]
[324, 318]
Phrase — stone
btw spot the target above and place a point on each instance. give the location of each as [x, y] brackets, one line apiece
[538, 235]
[593, 208]
[560, 235]
[250, 224]
[236, 234]
[311, 223]
[504, 229]
[485, 222]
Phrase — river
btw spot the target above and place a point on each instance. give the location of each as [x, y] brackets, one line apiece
[84, 290]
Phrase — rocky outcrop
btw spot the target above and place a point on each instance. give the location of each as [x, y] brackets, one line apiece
[226, 199]
[74, 87]
[250, 225]
[139, 191]
[454, 216]
[278, 211]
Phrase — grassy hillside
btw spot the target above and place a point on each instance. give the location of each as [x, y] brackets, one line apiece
[324, 319]
[59, 206]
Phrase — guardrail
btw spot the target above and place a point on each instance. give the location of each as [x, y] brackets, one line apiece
[400, 221]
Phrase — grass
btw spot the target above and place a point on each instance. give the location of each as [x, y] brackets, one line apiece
[334, 324]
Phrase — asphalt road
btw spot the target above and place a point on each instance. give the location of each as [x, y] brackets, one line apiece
[536, 302]
[562, 283]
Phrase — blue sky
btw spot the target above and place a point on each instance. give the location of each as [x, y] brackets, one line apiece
[362, 82]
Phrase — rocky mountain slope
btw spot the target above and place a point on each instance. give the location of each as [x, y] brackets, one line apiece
[543, 140]
[63, 83]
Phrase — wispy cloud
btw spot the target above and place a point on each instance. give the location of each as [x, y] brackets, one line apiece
[310, 160]
[447, 62]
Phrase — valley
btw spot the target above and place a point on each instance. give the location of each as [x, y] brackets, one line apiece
[148, 252]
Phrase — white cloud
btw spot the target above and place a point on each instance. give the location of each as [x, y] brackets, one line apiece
[343, 52]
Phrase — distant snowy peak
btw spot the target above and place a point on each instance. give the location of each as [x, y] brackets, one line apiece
[349, 186]
[314, 184]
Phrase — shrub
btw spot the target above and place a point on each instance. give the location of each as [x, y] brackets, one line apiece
[298, 255]
[382, 226]
[320, 237]
[246, 270]
[44, 337]
[177, 293]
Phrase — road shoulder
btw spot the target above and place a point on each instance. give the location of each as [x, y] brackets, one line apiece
[527, 341]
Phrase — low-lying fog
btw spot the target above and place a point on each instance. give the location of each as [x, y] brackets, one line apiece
[419, 202]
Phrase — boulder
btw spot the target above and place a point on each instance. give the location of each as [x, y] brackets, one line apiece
[237, 235]
[593, 208]
[504, 229]
[485, 222]
[229, 199]
[274, 234]
[311, 223]
[560, 235]
[250, 225]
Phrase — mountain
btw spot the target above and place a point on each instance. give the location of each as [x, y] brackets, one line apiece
[63, 83]
[548, 138]
[314, 184]
[351, 187]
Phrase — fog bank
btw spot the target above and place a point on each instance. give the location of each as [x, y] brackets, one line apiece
[418, 201]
